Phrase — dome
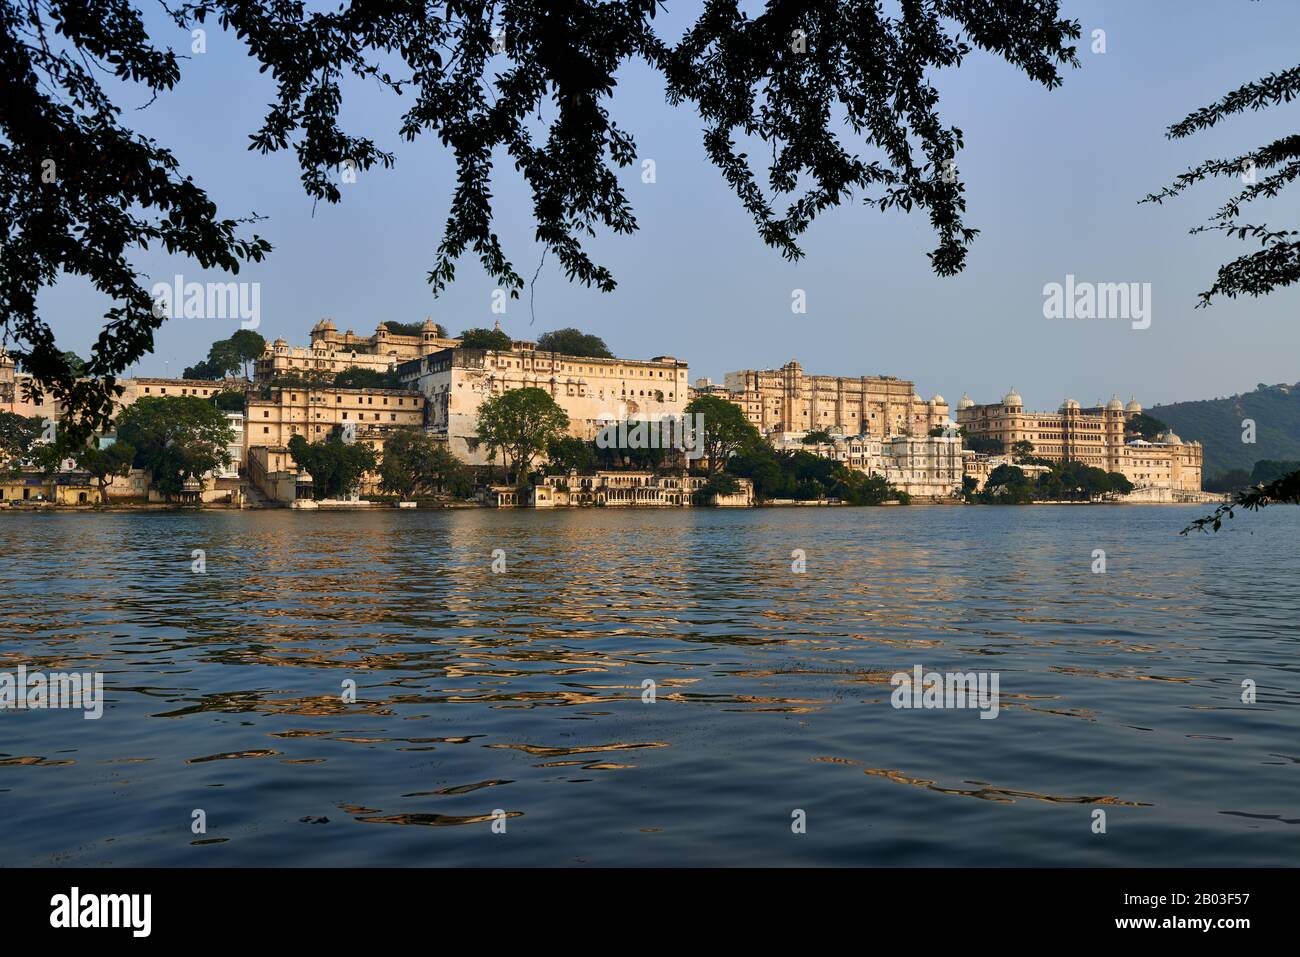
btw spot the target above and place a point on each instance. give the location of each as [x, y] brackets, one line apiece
[965, 402]
[937, 399]
[429, 326]
[1133, 407]
[1115, 405]
[1170, 437]
[1070, 405]
[1012, 398]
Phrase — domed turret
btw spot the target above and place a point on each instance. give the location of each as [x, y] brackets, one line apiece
[1170, 437]
[937, 399]
[1115, 405]
[1012, 398]
[429, 325]
[965, 402]
[1070, 405]
[1133, 407]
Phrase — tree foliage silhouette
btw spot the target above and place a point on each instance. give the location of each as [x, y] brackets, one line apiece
[1264, 172]
[531, 80]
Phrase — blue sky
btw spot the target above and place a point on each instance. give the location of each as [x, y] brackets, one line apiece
[1053, 180]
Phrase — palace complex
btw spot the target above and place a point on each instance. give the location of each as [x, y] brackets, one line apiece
[785, 400]
[1095, 436]
[592, 392]
[875, 424]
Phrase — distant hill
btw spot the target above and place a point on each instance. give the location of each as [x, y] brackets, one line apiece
[1216, 424]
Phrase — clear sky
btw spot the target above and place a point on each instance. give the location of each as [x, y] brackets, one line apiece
[1053, 180]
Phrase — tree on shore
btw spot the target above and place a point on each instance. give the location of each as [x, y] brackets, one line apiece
[726, 430]
[336, 466]
[104, 465]
[570, 453]
[520, 423]
[415, 464]
[819, 83]
[18, 435]
[175, 438]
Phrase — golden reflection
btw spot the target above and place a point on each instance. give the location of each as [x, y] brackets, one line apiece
[983, 791]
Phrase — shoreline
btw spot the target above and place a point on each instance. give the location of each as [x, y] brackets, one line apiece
[452, 506]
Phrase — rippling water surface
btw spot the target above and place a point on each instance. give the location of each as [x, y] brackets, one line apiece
[522, 692]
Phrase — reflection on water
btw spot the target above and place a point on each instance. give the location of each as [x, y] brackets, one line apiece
[644, 687]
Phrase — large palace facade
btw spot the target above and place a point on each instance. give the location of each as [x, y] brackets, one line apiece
[592, 392]
[787, 401]
[1094, 436]
[332, 351]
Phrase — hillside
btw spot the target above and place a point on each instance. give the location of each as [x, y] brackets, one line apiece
[1216, 423]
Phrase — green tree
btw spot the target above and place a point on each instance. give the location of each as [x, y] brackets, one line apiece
[18, 435]
[230, 401]
[852, 82]
[569, 453]
[1022, 450]
[758, 462]
[413, 328]
[336, 466]
[1007, 484]
[574, 342]
[355, 377]
[1145, 425]
[248, 347]
[983, 445]
[104, 465]
[520, 423]
[858, 488]
[1119, 483]
[485, 339]
[175, 438]
[726, 430]
[414, 463]
[717, 485]
[819, 438]
[227, 356]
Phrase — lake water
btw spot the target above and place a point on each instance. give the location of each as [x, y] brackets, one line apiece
[522, 691]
